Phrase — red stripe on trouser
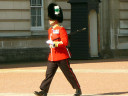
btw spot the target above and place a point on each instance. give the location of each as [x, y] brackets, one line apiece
[73, 74]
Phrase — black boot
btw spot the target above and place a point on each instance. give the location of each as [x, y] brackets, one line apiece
[78, 92]
[41, 93]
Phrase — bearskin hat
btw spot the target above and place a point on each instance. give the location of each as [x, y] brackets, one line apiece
[55, 12]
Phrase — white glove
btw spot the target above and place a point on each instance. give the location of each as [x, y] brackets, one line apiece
[49, 42]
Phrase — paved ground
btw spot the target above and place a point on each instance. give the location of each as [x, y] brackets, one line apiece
[97, 78]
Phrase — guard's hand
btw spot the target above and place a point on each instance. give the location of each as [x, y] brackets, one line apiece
[49, 42]
[53, 44]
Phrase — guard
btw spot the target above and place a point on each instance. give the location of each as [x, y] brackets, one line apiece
[59, 54]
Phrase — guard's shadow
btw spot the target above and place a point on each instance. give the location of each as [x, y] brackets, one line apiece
[111, 93]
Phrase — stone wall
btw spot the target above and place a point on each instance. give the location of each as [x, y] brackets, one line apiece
[15, 18]
[17, 41]
[114, 28]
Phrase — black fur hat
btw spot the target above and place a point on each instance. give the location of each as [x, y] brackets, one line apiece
[55, 12]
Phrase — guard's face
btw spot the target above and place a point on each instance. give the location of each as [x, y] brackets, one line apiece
[52, 22]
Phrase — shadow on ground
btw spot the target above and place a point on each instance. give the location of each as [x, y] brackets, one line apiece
[99, 60]
[44, 63]
[23, 64]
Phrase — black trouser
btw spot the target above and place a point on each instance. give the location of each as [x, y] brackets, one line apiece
[67, 71]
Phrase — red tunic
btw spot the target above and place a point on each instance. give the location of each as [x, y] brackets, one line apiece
[60, 52]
